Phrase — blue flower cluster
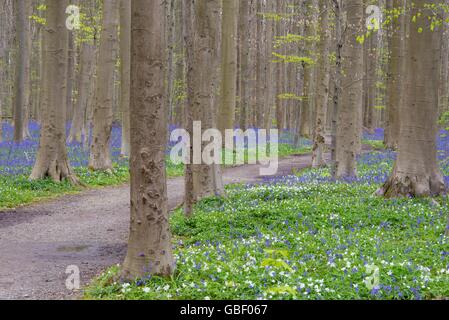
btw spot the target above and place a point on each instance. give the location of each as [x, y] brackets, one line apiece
[18, 159]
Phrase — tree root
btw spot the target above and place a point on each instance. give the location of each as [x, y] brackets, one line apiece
[417, 186]
[57, 172]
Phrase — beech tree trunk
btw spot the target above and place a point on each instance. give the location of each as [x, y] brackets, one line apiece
[279, 74]
[245, 61]
[52, 160]
[100, 158]
[336, 99]
[349, 127]
[269, 69]
[260, 66]
[85, 76]
[201, 34]
[22, 70]
[322, 96]
[149, 246]
[416, 172]
[444, 77]
[369, 92]
[307, 109]
[395, 78]
[71, 62]
[3, 61]
[42, 69]
[180, 81]
[251, 116]
[228, 65]
[187, 8]
[27, 107]
[300, 70]
[125, 66]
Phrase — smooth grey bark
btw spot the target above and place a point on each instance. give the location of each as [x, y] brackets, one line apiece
[102, 117]
[416, 172]
[228, 97]
[280, 105]
[307, 109]
[251, 112]
[149, 245]
[322, 95]
[202, 35]
[71, 63]
[3, 60]
[395, 79]
[444, 78]
[336, 99]
[187, 8]
[52, 160]
[270, 99]
[125, 76]
[260, 66]
[246, 71]
[85, 77]
[349, 126]
[300, 72]
[170, 40]
[22, 70]
[27, 106]
[369, 92]
[179, 56]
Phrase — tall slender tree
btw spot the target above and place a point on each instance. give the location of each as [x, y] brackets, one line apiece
[444, 78]
[260, 65]
[336, 99]
[246, 63]
[85, 77]
[280, 70]
[395, 79]
[416, 171]
[202, 37]
[86, 39]
[52, 160]
[125, 65]
[3, 60]
[349, 127]
[149, 247]
[22, 69]
[100, 158]
[229, 38]
[178, 91]
[71, 62]
[307, 110]
[269, 67]
[371, 51]
[322, 95]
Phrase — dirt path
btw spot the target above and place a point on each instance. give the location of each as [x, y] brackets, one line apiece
[89, 230]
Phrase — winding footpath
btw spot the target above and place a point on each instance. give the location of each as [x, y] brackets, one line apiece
[89, 230]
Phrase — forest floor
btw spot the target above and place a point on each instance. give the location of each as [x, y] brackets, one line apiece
[304, 237]
[88, 230]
